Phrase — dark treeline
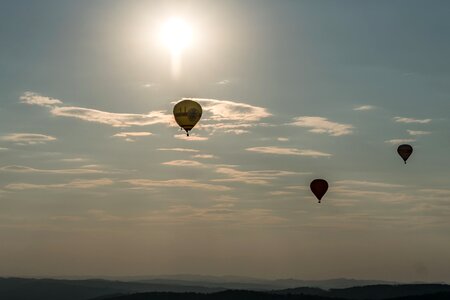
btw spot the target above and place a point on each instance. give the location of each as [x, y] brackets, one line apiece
[226, 295]
[374, 292]
[52, 289]
[250, 295]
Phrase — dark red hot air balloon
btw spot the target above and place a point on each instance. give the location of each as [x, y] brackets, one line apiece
[319, 187]
[405, 151]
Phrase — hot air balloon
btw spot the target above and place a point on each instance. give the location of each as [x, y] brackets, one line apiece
[405, 151]
[319, 187]
[187, 113]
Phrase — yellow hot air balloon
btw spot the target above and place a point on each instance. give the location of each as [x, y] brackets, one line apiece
[187, 113]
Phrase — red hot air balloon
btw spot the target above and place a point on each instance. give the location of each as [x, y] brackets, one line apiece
[319, 187]
[405, 151]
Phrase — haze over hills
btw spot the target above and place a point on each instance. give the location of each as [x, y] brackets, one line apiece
[242, 282]
[237, 282]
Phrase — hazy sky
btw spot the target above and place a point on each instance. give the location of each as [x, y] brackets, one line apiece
[96, 179]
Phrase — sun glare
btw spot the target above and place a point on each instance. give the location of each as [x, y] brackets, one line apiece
[176, 34]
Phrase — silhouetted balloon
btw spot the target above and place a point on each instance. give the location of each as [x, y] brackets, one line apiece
[405, 151]
[319, 187]
[187, 113]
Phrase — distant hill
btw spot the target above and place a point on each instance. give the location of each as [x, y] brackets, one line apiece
[249, 283]
[51, 289]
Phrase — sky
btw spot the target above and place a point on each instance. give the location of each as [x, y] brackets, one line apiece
[96, 179]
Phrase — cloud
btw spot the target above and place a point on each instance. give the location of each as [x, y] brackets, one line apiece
[364, 108]
[113, 119]
[97, 116]
[225, 110]
[323, 125]
[132, 134]
[287, 151]
[190, 137]
[368, 183]
[281, 193]
[75, 184]
[28, 138]
[436, 192]
[176, 183]
[183, 214]
[410, 120]
[75, 159]
[178, 149]
[251, 177]
[283, 139]
[418, 132]
[399, 141]
[236, 128]
[223, 82]
[233, 113]
[3, 149]
[237, 131]
[36, 99]
[23, 169]
[184, 163]
[297, 187]
[128, 135]
[206, 156]
[150, 85]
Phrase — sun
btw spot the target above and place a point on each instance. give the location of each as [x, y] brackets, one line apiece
[176, 35]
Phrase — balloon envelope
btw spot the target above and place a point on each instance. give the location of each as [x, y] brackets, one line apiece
[405, 151]
[187, 113]
[319, 187]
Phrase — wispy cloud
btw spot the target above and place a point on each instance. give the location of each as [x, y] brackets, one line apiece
[438, 192]
[323, 125]
[287, 151]
[364, 183]
[28, 138]
[283, 139]
[150, 85]
[184, 214]
[183, 136]
[113, 119]
[281, 193]
[129, 136]
[178, 149]
[184, 163]
[418, 132]
[36, 99]
[75, 184]
[132, 134]
[364, 108]
[205, 156]
[223, 82]
[225, 110]
[97, 116]
[75, 159]
[251, 177]
[399, 141]
[23, 169]
[176, 183]
[236, 128]
[410, 120]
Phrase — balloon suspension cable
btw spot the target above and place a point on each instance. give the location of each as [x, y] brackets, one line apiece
[187, 133]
